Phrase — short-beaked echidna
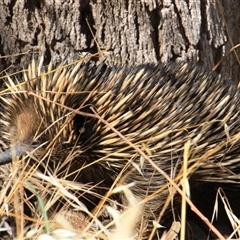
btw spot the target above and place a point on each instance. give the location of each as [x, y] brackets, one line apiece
[156, 107]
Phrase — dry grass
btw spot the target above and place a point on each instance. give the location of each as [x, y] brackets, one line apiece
[72, 220]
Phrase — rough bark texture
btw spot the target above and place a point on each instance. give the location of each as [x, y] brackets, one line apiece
[135, 31]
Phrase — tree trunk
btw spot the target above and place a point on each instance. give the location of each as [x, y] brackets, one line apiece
[134, 31]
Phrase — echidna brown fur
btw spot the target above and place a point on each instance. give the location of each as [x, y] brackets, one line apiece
[158, 107]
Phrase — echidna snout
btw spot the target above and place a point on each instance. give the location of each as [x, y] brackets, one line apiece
[25, 130]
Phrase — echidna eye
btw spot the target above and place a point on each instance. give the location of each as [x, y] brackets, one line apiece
[36, 143]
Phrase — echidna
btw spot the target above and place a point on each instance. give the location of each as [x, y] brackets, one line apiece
[158, 107]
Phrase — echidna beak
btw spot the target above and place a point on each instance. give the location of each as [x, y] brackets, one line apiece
[7, 156]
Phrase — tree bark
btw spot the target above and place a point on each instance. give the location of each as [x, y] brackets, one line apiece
[134, 31]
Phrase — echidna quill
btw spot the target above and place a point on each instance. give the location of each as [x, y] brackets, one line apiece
[156, 107]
